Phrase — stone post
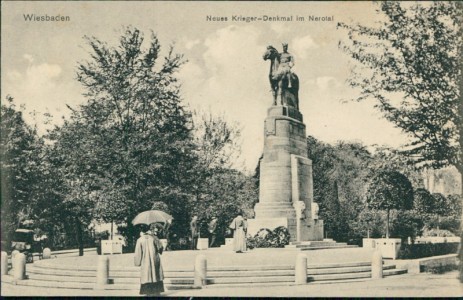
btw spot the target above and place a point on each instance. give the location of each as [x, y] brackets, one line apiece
[301, 269]
[46, 253]
[4, 263]
[200, 271]
[19, 262]
[377, 265]
[13, 255]
[102, 272]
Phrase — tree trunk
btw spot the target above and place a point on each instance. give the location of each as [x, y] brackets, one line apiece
[80, 239]
[460, 170]
[130, 236]
[387, 225]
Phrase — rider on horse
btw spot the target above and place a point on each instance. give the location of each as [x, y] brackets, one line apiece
[286, 63]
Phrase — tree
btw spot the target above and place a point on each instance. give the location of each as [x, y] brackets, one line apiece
[389, 190]
[393, 159]
[369, 223]
[423, 202]
[455, 203]
[441, 207]
[216, 139]
[133, 134]
[224, 194]
[414, 55]
[407, 224]
[340, 174]
[20, 176]
[71, 158]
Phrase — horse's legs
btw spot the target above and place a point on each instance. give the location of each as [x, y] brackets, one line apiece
[274, 97]
[280, 89]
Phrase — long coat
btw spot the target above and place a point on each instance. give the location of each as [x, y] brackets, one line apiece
[239, 227]
[194, 229]
[147, 256]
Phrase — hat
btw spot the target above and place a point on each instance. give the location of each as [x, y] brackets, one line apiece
[284, 44]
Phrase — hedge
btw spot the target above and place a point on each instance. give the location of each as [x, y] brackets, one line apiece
[426, 250]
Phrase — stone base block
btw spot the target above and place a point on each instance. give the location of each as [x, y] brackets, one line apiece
[368, 243]
[203, 244]
[389, 247]
[314, 232]
[287, 111]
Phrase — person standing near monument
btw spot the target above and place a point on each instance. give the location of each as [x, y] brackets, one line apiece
[239, 227]
[147, 256]
[286, 63]
[167, 233]
[194, 232]
[212, 228]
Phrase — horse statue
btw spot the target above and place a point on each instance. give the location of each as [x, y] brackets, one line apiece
[279, 83]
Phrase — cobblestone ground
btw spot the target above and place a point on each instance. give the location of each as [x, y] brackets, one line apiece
[421, 285]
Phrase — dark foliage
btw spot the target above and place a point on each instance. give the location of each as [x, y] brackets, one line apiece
[414, 251]
[265, 238]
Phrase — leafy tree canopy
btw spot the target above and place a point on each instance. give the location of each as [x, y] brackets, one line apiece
[389, 190]
[20, 151]
[414, 54]
[135, 131]
[423, 201]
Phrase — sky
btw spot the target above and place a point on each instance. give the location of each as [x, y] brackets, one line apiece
[225, 72]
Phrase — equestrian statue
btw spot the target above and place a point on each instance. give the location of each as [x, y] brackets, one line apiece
[283, 82]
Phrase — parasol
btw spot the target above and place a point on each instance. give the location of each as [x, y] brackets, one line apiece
[151, 216]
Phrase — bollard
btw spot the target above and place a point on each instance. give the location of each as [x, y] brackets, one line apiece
[13, 255]
[19, 262]
[301, 269]
[102, 272]
[200, 271]
[46, 254]
[377, 265]
[4, 263]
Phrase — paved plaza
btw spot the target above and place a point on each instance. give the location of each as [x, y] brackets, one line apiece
[407, 285]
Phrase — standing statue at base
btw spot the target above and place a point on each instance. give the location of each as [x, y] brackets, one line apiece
[283, 82]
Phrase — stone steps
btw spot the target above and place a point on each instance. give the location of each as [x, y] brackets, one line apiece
[344, 270]
[251, 279]
[344, 276]
[317, 245]
[60, 276]
[86, 285]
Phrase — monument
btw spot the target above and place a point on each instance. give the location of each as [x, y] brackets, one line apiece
[286, 189]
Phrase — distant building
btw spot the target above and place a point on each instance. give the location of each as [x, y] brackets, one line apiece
[446, 181]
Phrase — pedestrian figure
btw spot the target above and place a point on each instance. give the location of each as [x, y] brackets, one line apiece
[167, 233]
[147, 257]
[239, 227]
[212, 227]
[194, 232]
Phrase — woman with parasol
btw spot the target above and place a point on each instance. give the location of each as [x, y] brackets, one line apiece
[147, 253]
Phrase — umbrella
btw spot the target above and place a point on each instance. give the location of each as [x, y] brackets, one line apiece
[151, 216]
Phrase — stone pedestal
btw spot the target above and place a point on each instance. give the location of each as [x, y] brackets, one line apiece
[389, 248]
[111, 247]
[286, 190]
[203, 244]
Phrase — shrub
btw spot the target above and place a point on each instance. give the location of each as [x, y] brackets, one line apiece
[265, 238]
[182, 243]
[439, 269]
[426, 250]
